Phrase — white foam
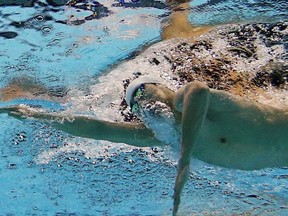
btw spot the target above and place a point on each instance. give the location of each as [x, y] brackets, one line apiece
[107, 93]
[160, 118]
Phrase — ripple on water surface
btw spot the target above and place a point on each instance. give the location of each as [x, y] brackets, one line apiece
[74, 40]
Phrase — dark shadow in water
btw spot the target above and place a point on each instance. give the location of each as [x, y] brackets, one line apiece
[141, 3]
[56, 3]
[23, 3]
[98, 11]
[8, 34]
[31, 3]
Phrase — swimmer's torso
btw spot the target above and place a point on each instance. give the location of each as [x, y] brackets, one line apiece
[243, 135]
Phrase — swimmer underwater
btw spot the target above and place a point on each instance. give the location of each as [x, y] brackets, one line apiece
[215, 127]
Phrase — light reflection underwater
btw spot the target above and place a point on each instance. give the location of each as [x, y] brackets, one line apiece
[43, 171]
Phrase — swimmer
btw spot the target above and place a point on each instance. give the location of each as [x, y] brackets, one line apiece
[215, 127]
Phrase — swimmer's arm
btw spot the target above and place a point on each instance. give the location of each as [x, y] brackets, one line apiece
[132, 134]
[195, 105]
[86, 127]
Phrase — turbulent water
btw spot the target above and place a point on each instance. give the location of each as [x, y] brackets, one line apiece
[51, 55]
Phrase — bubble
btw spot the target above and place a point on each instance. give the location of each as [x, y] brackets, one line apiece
[54, 42]
[46, 29]
[19, 138]
[12, 166]
[39, 18]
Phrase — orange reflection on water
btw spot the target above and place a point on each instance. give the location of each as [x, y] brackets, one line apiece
[179, 25]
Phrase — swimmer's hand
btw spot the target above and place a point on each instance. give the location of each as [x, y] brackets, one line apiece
[182, 176]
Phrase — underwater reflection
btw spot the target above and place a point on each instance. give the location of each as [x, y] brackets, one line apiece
[29, 87]
[179, 25]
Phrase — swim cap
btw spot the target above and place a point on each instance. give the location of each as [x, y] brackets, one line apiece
[135, 84]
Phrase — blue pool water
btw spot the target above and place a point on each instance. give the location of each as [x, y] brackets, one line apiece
[205, 12]
[49, 49]
[62, 49]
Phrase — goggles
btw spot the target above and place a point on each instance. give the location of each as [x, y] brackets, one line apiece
[136, 97]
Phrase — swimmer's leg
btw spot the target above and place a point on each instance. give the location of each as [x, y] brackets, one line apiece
[195, 106]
